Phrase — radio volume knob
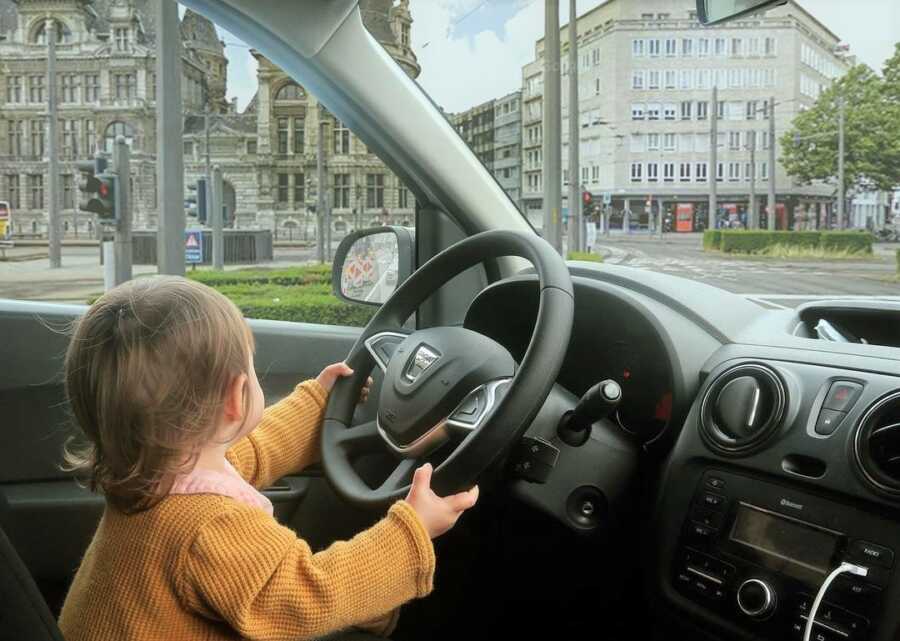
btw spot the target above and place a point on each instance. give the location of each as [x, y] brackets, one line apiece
[756, 598]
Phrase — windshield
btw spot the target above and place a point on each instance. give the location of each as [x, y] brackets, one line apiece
[783, 123]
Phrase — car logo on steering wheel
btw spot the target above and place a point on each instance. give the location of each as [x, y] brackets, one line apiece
[423, 358]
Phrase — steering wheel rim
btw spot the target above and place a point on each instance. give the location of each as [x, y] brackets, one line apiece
[499, 429]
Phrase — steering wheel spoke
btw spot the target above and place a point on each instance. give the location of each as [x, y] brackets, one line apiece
[400, 477]
[381, 346]
[359, 439]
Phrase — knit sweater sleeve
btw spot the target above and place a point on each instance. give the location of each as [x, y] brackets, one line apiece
[265, 583]
[286, 440]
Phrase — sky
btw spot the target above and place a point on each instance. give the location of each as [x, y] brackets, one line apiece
[474, 50]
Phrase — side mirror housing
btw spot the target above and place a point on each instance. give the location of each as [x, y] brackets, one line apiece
[370, 264]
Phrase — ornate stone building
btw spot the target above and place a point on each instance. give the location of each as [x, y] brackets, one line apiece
[106, 86]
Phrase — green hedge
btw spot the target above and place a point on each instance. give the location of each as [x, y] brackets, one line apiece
[588, 256]
[712, 238]
[854, 242]
[898, 261]
[753, 242]
[290, 276]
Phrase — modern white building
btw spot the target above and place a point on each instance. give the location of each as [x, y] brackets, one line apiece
[646, 75]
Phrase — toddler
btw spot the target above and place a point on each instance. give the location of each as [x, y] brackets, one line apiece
[161, 380]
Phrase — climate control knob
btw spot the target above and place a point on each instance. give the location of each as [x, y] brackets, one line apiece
[756, 598]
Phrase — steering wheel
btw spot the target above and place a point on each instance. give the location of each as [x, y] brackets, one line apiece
[446, 390]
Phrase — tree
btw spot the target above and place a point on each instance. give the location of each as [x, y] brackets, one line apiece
[871, 132]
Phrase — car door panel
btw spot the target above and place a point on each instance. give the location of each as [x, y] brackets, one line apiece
[46, 514]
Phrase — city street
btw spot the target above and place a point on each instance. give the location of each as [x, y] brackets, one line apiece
[770, 282]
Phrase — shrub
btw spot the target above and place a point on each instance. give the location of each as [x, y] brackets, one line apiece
[854, 242]
[310, 304]
[746, 242]
[588, 256]
[712, 239]
[289, 276]
[898, 261]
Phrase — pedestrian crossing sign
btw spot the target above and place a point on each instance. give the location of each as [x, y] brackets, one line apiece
[193, 246]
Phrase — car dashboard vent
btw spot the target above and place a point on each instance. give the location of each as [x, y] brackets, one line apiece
[742, 408]
[877, 445]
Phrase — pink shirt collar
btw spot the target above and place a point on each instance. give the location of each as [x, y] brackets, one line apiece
[227, 483]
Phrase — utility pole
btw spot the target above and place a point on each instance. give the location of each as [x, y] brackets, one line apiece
[215, 213]
[772, 206]
[169, 147]
[840, 208]
[552, 148]
[320, 182]
[208, 169]
[753, 214]
[713, 158]
[575, 225]
[53, 226]
[122, 242]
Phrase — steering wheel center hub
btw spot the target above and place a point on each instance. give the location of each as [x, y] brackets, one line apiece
[431, 372]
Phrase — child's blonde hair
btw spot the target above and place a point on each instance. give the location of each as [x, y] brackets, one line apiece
[146, 374]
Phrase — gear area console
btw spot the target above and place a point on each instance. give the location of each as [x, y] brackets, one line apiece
[756, 553]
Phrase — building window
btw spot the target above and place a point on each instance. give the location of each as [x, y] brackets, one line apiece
[36, 89]
[637, 170]
[90, 137]
[764, 170]
[282, 136]
[669, 142]
[669, 111]
[751, 109]
[637, 142]
[68, 201]
[652, 142]
[298, 133]
[668, 172]
[687, 108]
[403, 196]
[68, 88]
[404, 34]
[720, 110]
[115, 129]
[125, 86]
[686, 79]
[595, 173]
[702, 78]
[684, 172]
[734, 171]
[283, 188]
[700, 172]
[151, 86]
[341, 138]
[737, 47]
[14, 137]
[12, 190]
[653, 111]
[122, 39]
[702, 109]
[637, 111]
[299, 190]
[653, 47]
[637, 48]
[637, 79]
[687, 47]
[188, 149]
[36, 190]
[374, 190]
[703, 47]
[290, 91]
[671, 47]
[720, 47]
[37, 138]
[251, 147]
[341, 191]
[670, 79]
[652, 172]
[769, 46]
[91, 87]
[14, 89]
[69, 139]
[653, 79]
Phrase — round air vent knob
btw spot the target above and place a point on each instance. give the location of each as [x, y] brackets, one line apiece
[756, 598]
[737, 407]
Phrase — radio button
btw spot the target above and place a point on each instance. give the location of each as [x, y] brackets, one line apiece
[756, 598]
[866, 552]
[856, 589]
[829, 421]
[842, 395]
[712, 501]
[699, 532]
[707, 517]
[715, 482]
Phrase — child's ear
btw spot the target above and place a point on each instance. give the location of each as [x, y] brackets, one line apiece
[234, 399]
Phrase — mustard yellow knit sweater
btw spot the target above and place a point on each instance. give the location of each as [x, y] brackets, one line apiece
[204, 567]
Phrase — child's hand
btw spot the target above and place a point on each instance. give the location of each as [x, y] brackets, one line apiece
[328, 377]
[437, 514]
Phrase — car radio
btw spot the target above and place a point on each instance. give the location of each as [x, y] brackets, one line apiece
[757, 553]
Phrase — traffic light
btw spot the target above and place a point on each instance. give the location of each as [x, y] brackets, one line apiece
[201, 200]
[190, 203]
[98, 190]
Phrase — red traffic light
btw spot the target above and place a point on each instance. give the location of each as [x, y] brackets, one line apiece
[586, 197]
[103, 189]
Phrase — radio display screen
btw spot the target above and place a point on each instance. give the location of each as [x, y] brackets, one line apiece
[784, 545]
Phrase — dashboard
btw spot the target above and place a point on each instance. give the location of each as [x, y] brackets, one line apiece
[780, 447]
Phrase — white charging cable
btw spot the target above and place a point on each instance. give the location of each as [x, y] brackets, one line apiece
[844, 568]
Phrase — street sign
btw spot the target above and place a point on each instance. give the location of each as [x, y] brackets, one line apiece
[193, 246]
[607, 197]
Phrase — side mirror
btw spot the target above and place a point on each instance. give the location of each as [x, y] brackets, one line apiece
[716, 11]
[370, 264]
